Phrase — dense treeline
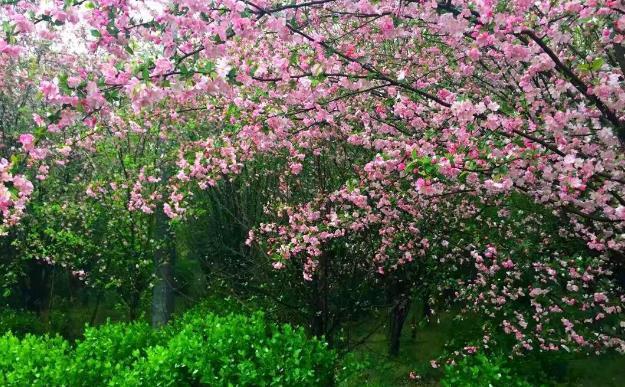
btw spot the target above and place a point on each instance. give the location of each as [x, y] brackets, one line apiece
[439, 184]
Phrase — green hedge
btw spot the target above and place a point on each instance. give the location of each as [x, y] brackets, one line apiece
[110, 349]
[200, 349]
[232, 350]
[33, 360]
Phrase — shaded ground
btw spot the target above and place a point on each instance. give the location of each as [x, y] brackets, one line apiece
[415, 353]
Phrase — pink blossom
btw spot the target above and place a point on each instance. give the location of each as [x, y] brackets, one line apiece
[600, 297]
[507, 264]
[24, 186]
[161, 67]
[27, 141]
[295, 168]
[50, 90]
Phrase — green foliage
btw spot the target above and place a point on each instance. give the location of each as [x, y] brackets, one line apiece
[109, 349]
[233, 350]
[480, 370]
[201, 348]
[99, 238]
[33, 360]
[357, 368]
[20, 322]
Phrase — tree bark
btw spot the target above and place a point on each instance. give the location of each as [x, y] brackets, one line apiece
[319, 324]
[38, 287]
[414, 326]
[133, 304]
[399, 299]
[164, 256]
[94, 314]
[399, 312]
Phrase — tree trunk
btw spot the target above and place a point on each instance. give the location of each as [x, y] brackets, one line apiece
[399, 299]
[321, 309]
[414, 325]
[320, 320]
[94, 314]
[399, 312]
[163, 290]
[37, 287]
[133, 304]
[319, 324]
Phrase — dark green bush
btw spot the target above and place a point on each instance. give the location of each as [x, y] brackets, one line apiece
[233, 350]
[481, 370]
[20, 322]
[109, 349]
[33, 360]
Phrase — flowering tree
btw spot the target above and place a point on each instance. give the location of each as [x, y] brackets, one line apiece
[427, 109]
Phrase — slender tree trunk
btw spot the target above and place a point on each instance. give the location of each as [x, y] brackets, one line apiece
[316, 323]
[319, 325]
[49, 310]
[163, 290]
[133, 304]
[94, 314]
[321, 318]
[414, 325]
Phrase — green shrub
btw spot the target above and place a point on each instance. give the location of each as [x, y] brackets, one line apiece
[233, 350]
[33, 360]
[200, 348]
[480, 370]
[109, 349]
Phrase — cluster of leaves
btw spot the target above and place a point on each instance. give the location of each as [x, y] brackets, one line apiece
[482, 370]
[110, 349]
[200, 348]
[242, 351]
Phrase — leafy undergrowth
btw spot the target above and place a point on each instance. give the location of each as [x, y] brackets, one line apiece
[370, 364]
[225, 347]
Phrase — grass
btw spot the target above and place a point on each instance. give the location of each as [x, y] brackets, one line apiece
[605, 370]
[379, 369]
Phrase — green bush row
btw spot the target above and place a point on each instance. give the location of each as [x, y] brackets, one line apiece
[200, 349]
